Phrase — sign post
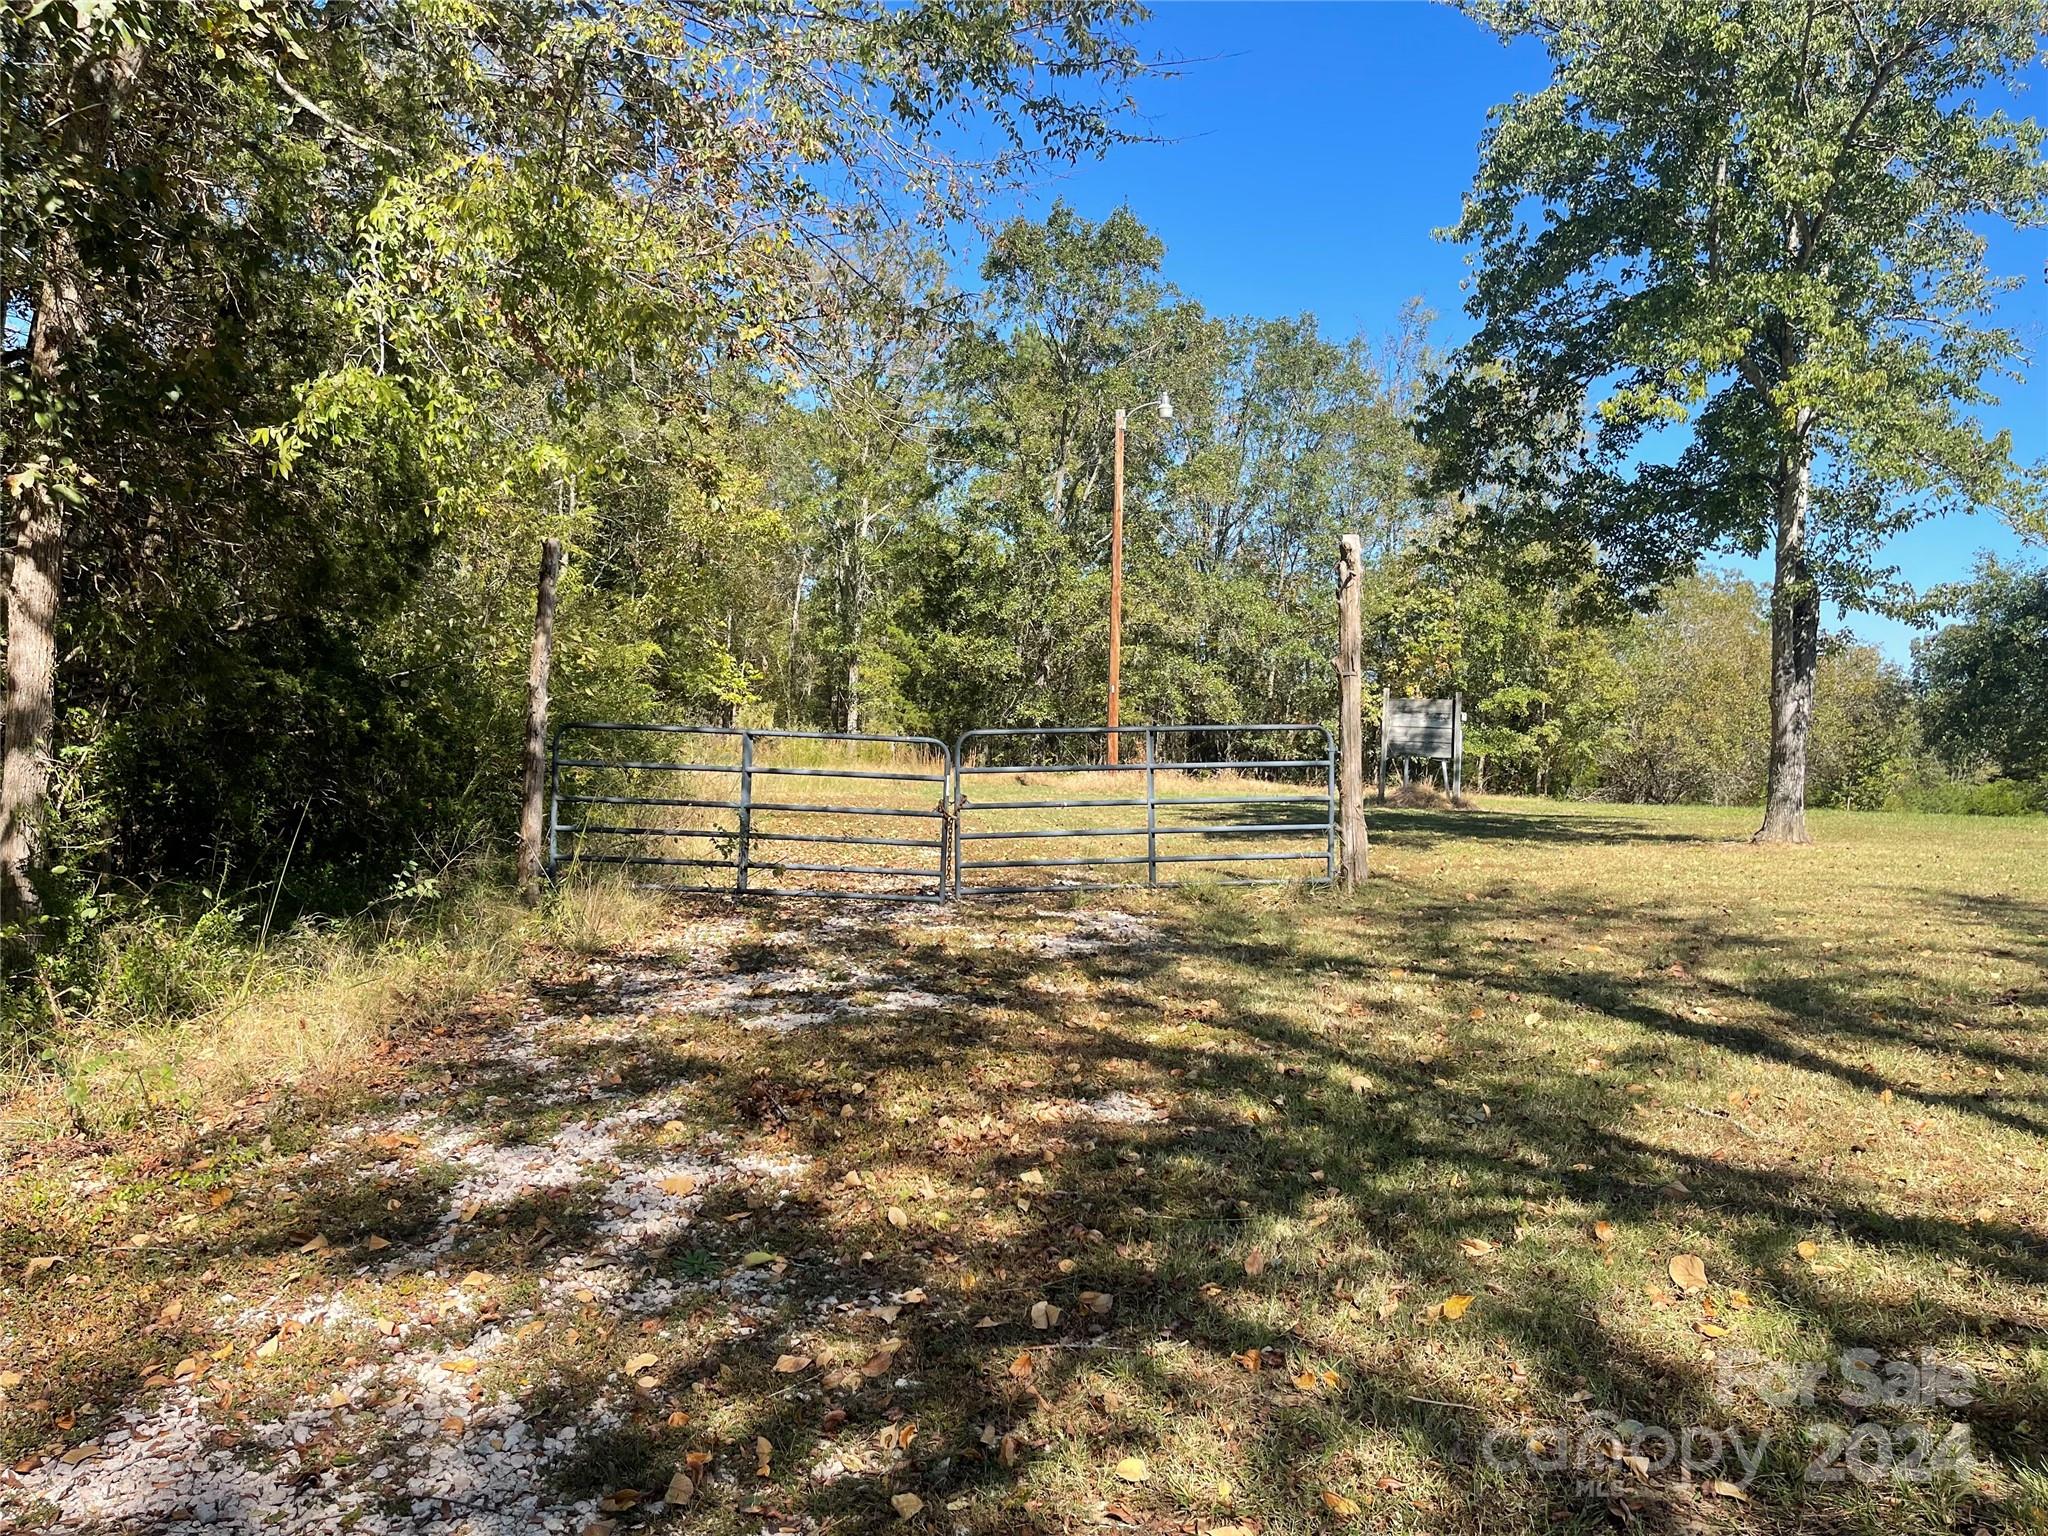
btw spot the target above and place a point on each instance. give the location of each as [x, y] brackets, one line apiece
[1351, 833]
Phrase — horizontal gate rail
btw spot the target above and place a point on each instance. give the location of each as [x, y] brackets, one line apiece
[1321, 829]
[585, 778]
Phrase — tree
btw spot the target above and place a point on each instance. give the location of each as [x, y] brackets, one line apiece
[1689, 725]
[437, 266]
[1983, 680]
[1747, 232]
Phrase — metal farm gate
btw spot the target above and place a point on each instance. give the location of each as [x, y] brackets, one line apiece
[1188, 773]
[656, 794]
[685, 802]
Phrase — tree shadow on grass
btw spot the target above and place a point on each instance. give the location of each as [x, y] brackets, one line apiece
[1274, 1167]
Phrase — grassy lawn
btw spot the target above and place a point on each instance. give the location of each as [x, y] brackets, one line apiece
[1432, 1210]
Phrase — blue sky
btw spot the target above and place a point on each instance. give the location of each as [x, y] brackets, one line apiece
[1310, 149]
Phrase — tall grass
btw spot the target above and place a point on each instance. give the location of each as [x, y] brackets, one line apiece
[191, 1015]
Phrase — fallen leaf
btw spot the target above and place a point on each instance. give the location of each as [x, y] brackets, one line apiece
[906, 1505]
[1688, 1272]
[1044, 1315]
[374, 1243]
[679, 1184]
[640, 1363]
[790, 1365]
[1729, 1490]
[1474, 1247]
[1809, 1249]
[680, 1489]
[316, 1244]
[1603, 1231]
[764, 1455]
[1455, 1307]
[1132, 1469]
[170, 1311]
[898, 1217]
[1097, 1302]
[1337, 1504]
[461, 1365]
[758, 1258]
[1255, 1262]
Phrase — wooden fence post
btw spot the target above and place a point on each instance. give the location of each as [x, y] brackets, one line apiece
[532, 828]
[1351, 832]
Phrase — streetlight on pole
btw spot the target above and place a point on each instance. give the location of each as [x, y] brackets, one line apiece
[1116, 570]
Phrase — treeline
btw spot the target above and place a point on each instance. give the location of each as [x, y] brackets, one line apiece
[320, 318]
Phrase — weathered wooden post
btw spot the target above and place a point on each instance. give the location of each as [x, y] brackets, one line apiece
[1350, 713]
[532, 828]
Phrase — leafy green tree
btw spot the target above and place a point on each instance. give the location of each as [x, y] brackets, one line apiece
[1749, 232]
[1689, 725]
[1983, 680]
[1866, 731]
[468, 274]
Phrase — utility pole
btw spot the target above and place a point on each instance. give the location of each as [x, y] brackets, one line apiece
[1351, 832]
[1116, 567]
[1116, 585]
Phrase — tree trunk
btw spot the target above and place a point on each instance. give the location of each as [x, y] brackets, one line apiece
[856, 597]
[1795, 655]
[32, 599]
[56, 334]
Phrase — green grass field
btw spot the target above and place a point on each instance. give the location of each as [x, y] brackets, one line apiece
[1435, 1209]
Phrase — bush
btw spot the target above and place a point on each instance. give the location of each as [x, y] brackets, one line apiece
[1997, 797]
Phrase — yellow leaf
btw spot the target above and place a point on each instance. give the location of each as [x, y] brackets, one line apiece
[679, 1184]
[640, 1363]
[1132, 1469]
[906, 1505]
[461, 1365]
[170, 1312]
[1809, 1249]
[1729, 1490]
[1337, 1504]
[1603, 1231]
[1474, 1247]
[1688, 1272]
[1455, 1307]
[764, 1455]
[758, 1258]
